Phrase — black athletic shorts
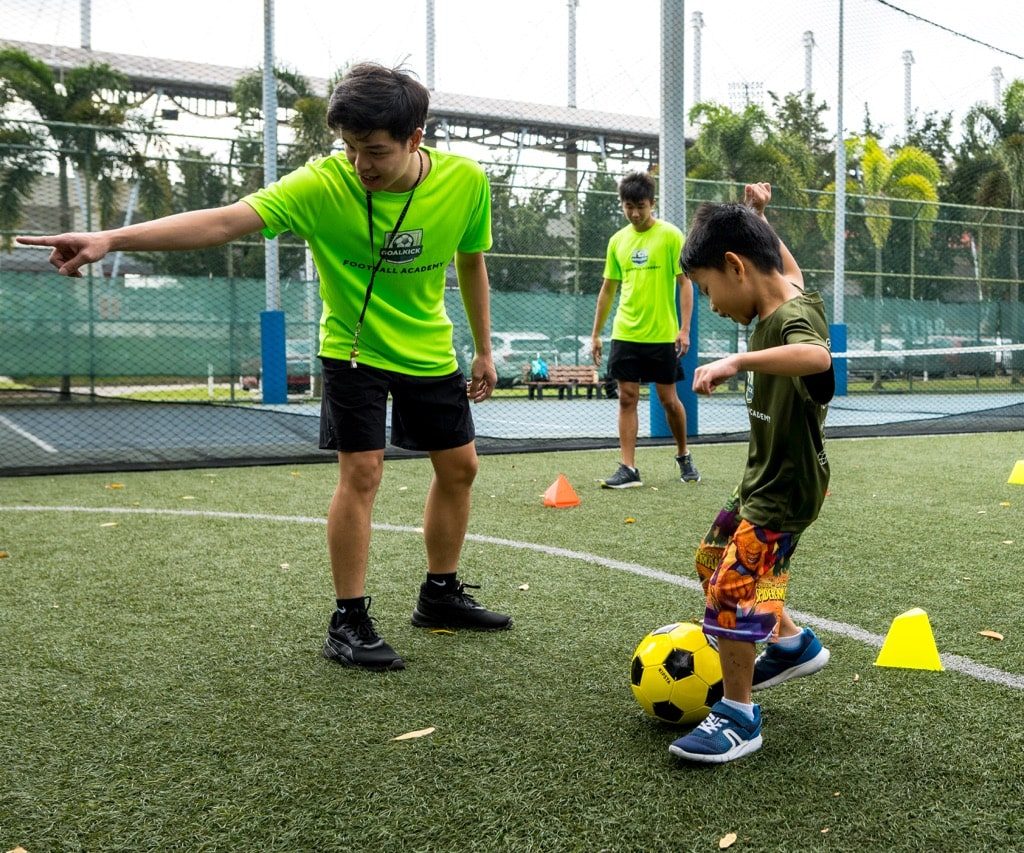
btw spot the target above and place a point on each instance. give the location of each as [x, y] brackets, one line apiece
[632, 362]
[427, 412]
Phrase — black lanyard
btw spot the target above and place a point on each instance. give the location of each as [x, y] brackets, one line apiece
[380, 259]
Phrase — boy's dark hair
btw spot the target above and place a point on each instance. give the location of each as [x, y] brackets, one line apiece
[373, 97]
[730, 227]
[637, 187]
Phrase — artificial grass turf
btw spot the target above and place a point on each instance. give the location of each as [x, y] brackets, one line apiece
[162, 689]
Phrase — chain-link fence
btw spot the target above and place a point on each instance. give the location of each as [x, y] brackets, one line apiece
[155, 359]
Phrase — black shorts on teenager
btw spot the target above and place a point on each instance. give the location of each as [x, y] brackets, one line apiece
[427, 412]
[629, 361]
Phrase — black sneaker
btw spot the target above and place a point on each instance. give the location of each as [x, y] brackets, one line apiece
[352, 641]
[688, 472]
[624, 478]
[456, 609]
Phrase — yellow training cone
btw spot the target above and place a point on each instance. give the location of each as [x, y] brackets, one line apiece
[1017, 474]
[910, 644]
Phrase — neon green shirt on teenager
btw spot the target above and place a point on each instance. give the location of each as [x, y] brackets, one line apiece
[647, 263]
[406, 328]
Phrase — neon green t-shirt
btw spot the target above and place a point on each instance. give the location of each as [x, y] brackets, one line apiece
[647, 263]
[406, 328]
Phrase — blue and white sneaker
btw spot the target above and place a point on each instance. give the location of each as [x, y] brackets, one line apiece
[774, 665]
[725, 735]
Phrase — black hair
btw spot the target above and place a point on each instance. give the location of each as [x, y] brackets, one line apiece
[374, 97]
[637, 187]
[730, 227]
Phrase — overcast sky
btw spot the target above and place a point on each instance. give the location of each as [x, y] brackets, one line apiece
[519, 50]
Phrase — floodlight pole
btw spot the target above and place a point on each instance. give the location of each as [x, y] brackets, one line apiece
[837, 330]
[431, 39]
[274, 380]
[672, 172]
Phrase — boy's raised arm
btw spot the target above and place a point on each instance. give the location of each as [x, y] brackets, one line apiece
[757, 196]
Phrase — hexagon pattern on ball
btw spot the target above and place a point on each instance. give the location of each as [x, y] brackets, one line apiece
[676, 675]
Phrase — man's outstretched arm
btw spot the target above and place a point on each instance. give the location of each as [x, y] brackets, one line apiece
[196, 229]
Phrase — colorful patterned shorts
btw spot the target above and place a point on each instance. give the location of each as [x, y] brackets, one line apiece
[744, 569]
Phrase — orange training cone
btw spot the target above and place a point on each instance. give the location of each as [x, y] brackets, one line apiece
[560, 494]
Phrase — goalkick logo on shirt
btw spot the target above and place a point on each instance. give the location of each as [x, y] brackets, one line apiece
[403, 247]
[639, 257]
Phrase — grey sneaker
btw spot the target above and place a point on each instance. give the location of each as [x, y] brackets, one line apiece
[688, 472]
[624, 478]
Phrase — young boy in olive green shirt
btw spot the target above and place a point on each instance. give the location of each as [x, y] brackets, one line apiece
[738, 261]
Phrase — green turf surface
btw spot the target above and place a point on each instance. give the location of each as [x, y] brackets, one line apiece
[161, 687]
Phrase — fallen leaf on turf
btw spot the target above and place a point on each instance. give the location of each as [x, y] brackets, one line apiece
[285, 566]
[824, 830]
[114, 486]
[727, 841]
[631, 520]
[296, 474]
[524, 586]
[4, 555]
[1004, 503]
[415, 734]
[188, 497]
[1007, 541]
[995, 635]
[856, 678]
[18, 849]
[441, 631]
[403, 488]
[982, 511]
[835, 793]
[109, 524]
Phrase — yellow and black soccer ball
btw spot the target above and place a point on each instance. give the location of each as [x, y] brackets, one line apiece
[676, 674]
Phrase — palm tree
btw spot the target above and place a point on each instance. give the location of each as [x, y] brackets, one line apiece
[22, 160]
[903, 185]
[1000, 129]
[85, 114]
[741, 147]
[85, 111]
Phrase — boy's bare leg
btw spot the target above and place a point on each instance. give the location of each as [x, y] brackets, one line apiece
[737, 669]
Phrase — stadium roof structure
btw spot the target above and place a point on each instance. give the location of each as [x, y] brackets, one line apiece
[206, 90]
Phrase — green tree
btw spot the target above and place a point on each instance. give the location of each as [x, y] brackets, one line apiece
[996, 135]
[742, 147]
[529, 252]
[903, 185]
[22, 160]
[600, 216]
[86, 117]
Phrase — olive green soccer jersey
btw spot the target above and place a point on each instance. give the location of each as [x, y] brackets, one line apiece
[647, 263]
[787, 470]
[406, 328]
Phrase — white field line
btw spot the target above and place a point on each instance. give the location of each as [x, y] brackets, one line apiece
[956, 663]
[24, 433]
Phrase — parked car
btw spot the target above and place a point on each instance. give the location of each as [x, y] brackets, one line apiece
[951, 361]
[574, 349]
[891, 363]
[513, 351]
[300, 362]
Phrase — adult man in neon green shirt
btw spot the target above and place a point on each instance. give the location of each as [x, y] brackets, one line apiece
[383, 222]
[648, 336]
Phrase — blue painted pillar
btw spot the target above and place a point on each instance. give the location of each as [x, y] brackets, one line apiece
[274, 378]
[837, 339]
